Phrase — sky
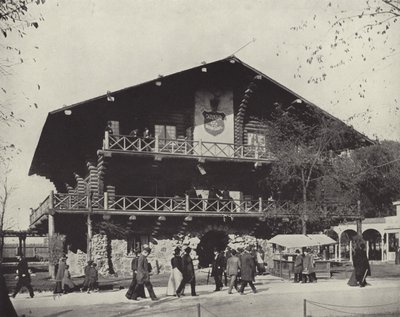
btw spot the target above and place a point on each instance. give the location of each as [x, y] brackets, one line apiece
[82, 49]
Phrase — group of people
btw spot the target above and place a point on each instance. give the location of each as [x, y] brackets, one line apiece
[304, 267]
[64, 282]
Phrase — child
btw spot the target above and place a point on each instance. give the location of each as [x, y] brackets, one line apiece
[93, 277]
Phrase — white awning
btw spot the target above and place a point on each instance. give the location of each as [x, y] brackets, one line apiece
[301, 240]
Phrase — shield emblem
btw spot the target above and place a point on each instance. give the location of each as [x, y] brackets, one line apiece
[214, 122]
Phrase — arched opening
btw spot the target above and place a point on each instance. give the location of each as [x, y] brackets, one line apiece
[374, 244]
[210, 241]
[345, 239]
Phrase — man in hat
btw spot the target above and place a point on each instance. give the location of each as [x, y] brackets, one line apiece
[188, 273]
[85, 284]
[24, 277]
[143, 275]
[218, 268]
[248, 270]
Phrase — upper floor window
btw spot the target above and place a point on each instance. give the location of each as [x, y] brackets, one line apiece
[256, 139]
[165, 132]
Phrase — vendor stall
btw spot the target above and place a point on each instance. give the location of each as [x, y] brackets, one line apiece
[285, 253]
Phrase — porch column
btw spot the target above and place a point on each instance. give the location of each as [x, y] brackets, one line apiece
[89, 228]
[382, 247]
[340, 248]
[367, 249]
[351, 251]
[336, 252]
[51, 231]
[387, 246]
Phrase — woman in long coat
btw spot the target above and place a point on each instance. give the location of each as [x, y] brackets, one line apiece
[176, 276]
[67, 283]
[130, 294]
[60, 276]
[361, 265]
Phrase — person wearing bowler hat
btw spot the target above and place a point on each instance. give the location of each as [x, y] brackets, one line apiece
[143, 275]
[218, 268]
[188, 274]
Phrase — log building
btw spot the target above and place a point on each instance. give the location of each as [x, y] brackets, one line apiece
[151, 157]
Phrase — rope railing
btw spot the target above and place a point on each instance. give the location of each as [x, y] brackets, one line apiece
[197, 310]
[393, 307]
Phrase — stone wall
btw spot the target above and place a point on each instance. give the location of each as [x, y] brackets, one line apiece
[159, 258]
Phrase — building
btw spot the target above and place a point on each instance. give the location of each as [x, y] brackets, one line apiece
[382, 236]
[153, 157]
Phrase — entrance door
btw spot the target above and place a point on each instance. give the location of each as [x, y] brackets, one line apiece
[210, 241]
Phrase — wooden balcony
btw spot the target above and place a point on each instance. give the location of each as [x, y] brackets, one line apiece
[161, 206]
[186, 148]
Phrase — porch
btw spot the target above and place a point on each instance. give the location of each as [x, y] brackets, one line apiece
[161, 206]
[186, 148]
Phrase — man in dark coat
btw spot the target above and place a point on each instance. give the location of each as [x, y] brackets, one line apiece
[6, 307]
[143, 275]
[218, 267]
[361, 265]
[298, 267]
[188, 273]
[308, 267]
[85, 284]
[24, 277]
[248, 270]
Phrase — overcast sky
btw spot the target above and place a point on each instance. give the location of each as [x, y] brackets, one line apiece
[84, 48]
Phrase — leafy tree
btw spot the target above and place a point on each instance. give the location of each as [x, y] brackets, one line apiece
[303, 143]
[379, 178]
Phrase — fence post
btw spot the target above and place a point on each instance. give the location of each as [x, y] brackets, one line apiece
[198, 310]
[106, 140]
[187, 207]
[305, 308]
[156, 144]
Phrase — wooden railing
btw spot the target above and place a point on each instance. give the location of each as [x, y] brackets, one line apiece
[40, 211]
[184, 205]
[186, 148]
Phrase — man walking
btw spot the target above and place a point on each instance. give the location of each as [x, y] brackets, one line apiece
[218, 268]
[24, 277]
[143, 275]
[188, 273]
[247, 271]
[232, 270]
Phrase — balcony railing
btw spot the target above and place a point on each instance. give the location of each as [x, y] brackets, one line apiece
[160, 205]
[186, 148]
[43, 209]
[150, 205]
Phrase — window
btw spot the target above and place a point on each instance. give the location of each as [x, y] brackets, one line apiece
[165, 132]
[256, 139]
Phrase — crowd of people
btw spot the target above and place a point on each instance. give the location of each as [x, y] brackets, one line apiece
[233, 268]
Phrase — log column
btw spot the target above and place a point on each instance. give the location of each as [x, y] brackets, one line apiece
[51, 232]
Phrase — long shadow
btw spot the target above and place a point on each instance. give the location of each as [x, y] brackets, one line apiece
[59, 313]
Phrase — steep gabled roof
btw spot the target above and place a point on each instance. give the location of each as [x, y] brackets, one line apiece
[66, 142]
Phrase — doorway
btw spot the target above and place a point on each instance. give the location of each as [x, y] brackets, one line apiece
[210, 241]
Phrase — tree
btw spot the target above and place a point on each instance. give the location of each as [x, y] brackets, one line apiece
[379, 178]
[302, 142]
